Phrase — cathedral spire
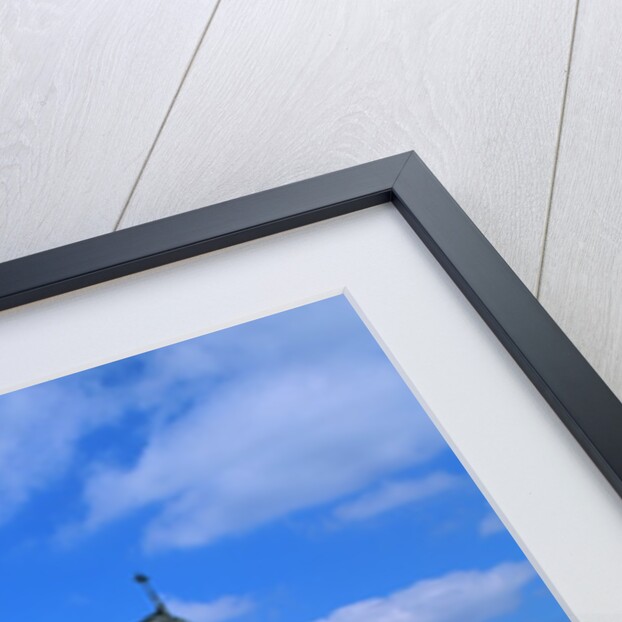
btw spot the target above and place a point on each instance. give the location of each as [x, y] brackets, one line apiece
[161, 613]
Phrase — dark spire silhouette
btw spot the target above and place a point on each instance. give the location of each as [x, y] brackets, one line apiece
[161, 613]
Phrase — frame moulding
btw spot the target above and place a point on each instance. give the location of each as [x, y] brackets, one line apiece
[572, 388]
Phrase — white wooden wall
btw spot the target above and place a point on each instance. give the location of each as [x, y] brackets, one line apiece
[114, 113]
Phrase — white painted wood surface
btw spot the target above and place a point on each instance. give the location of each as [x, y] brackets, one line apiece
[582, 272]
[84, 87]
[282, 91]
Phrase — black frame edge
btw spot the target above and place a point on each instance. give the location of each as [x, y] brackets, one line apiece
[113, 255]
[572, 388]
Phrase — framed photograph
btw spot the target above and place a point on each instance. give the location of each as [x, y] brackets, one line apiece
[332, 401]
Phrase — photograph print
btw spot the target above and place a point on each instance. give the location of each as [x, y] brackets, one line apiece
[275, 471]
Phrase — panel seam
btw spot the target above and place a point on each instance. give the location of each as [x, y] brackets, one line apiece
[166, 116]
[562, 116]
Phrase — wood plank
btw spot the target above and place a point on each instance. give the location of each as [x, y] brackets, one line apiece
[282, 91]
[84, 87]
[582, 276]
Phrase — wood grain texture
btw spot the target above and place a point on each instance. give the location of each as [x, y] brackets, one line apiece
[282, 91]
[84, 87]
[582, 275]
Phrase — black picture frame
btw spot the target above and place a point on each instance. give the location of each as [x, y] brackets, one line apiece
[572, 388]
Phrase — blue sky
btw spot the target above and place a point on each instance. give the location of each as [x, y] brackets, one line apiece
[275, 471]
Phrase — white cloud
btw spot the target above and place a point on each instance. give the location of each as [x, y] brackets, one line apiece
[476, 596]
[395, 494]
[263, 448]
[235, 431]
[225, 608]
[42, 426]
[490, 525]
[39, 430]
